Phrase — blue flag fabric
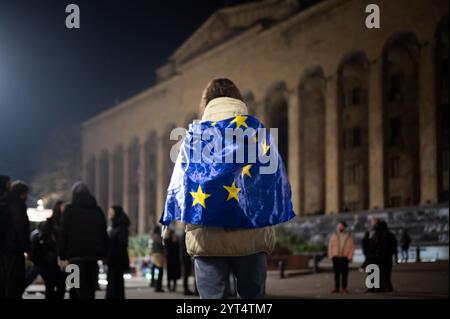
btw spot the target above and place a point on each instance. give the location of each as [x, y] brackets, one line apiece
[219, 193]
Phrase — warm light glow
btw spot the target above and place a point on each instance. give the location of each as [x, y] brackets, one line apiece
[38, 215]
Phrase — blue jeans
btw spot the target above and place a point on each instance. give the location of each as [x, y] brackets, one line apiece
[212, 275]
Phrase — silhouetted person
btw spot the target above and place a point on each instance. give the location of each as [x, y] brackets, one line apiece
[117, 258]
[158, 259]
[186, 261]
[44, 254]
[405, 242]
[16, 239]
[388, 254]
[341, 249]
[83, 239]
[365, 245]
[172, 246]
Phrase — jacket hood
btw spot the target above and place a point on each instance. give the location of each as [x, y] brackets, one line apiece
[120, 218]
[82, 197]
[222, 108]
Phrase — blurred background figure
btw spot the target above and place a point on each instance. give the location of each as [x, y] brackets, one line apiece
[15, 243]
[365, 245]
[341, 248]
[172, 246]
[388, 255]
[405, 243]
[187, 266]
[83, 239]
[157, 258]
[117, 258]
[44, 255]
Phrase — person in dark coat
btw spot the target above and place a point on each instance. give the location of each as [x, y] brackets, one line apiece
[375, 247]
[16, 241]
[117, 258]
[45, 254]
[365, 245]
[172, 246]
[158, 259]
[83, 239]
[389, 254]
[186, 260]
[405, 243]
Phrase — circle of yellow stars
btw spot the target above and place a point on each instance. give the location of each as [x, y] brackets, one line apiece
[199, 197]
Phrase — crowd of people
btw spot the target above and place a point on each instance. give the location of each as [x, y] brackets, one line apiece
[77, 234]
[169, 252]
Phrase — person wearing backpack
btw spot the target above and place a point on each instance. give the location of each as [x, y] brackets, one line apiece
[16, 241]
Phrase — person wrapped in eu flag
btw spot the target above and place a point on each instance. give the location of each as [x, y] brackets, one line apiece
[229, 187]
[229, 174]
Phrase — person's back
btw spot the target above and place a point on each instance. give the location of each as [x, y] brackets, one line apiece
[83, 230]
[239, 244]
[83, 239]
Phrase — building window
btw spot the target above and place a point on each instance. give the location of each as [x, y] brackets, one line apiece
[394, 167]
[353, 174]
[395, 129]
[356, 137]
[356, 96]
[395, 201]
[395, 87]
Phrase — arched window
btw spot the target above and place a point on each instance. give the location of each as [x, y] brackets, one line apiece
[277, 117]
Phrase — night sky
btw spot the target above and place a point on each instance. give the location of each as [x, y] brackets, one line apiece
[52, 77]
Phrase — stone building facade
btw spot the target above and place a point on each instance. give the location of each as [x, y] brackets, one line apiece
[362, 113]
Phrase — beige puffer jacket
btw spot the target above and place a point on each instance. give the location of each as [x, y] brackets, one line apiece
[211, 241]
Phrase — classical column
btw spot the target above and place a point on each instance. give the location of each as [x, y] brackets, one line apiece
[294, 148]
[126, 179]
[161, 188]
[332, 186]
[98, 183]
[143, 190]
[376, 142]
[111, 200]
[427, 126]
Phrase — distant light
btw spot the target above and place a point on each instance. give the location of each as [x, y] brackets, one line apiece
[103, 282]
[37, 215]
[127, 276]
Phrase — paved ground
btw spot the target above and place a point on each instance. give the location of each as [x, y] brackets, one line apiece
[426, 280]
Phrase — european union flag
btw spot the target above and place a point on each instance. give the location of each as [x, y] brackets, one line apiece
[229, 174]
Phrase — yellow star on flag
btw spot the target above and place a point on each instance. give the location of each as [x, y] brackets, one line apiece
[240, 121]
[246, 170]
[265, 147]
[199, 197]
[213, 123]
[233, 191]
